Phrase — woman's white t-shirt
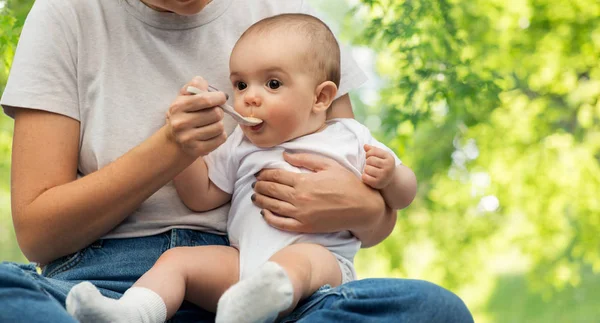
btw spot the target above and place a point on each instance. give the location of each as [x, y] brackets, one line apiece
[116, 65]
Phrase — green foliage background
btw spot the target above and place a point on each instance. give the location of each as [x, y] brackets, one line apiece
[495, 105]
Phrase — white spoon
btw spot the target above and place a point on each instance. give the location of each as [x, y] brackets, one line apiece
[247, 121]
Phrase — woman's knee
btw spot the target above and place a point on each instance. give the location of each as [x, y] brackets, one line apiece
[24, 299]
[440, 302]
[16, 276]
[415, 300]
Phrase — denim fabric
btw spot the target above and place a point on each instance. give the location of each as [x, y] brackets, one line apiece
[113, 265]
[382, 300]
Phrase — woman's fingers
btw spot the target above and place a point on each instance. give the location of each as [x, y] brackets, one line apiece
[281, 222]
[195, 122]
[275, 190]
[273, 205]
[206, 118]
[203, 147]
[309, 161]
[202, 134]
[197, 102]
[279, 176]
[197, 82]
[314, 202]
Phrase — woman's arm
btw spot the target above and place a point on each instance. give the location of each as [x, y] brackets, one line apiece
[340, 108]
[55, 214]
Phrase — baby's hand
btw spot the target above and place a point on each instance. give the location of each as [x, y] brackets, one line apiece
[379, 168]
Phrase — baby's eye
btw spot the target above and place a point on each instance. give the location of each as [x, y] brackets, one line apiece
[274, 84]
[241, 85]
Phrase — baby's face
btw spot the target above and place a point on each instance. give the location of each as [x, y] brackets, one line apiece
[270, 83]
[180, 7]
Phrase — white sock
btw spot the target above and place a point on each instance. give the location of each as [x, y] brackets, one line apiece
[137, 305]
[258, 298]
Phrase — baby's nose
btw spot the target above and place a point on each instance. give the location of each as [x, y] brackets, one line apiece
[252, 98]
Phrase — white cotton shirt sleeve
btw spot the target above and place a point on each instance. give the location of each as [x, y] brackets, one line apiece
[222, 162]
[43, 73]
[365, 137]
[116, 67]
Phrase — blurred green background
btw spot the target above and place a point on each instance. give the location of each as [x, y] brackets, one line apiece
[496, 106]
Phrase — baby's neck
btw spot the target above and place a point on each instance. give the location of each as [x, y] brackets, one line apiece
[321, 128]
[311, 131]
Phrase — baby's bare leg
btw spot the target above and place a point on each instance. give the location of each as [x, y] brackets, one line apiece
[290, 275]
[308, 266]
[198, 274]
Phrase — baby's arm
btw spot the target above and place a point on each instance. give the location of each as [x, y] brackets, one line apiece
[397, 184]
[196, 190]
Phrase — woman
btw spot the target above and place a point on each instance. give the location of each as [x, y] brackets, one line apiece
[94, 156]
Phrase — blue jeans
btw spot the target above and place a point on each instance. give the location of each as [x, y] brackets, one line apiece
[113, 265]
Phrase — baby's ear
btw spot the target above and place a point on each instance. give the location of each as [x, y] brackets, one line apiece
[324, 95]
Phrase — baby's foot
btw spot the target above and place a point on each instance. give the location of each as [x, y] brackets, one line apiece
[86, 304]
[259, 298]
[138, 305]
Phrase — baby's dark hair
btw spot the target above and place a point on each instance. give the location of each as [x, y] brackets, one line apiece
[323, 57]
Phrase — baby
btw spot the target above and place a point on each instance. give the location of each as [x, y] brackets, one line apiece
[284, 70]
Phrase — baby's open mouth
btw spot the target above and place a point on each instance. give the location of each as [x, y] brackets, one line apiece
[257, 127]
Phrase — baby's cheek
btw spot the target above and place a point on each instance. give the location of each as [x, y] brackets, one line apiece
[278, 117]
[239, 107]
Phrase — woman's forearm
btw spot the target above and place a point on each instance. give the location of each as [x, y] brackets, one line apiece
[376, 221]
[398, 194]
[65, 218]
[55, 214]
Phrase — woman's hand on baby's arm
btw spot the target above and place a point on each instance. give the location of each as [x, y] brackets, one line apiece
[195, 122]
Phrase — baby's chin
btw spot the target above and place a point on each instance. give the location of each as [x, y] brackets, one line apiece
[257, 141]
[262, 144]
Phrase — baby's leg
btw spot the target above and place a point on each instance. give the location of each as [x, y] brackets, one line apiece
[198, 274]
[292, 274]
[309, 267]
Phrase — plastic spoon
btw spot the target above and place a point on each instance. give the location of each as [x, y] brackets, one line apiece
[247, 121]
